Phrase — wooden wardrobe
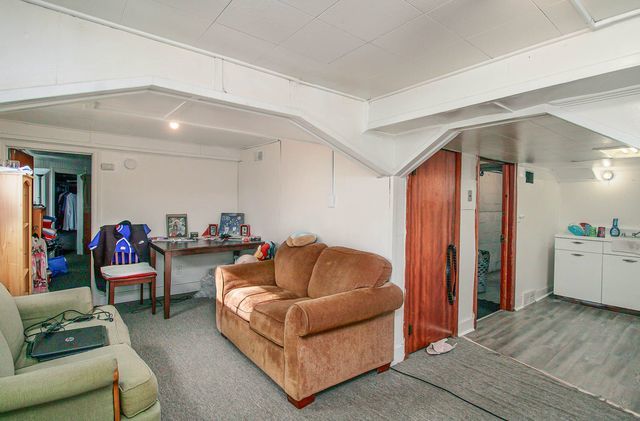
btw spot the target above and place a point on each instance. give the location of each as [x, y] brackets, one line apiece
[15, 232]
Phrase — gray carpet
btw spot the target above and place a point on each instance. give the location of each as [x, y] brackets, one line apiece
[203, 376]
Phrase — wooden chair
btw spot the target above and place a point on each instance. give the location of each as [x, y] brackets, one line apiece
[135, 274]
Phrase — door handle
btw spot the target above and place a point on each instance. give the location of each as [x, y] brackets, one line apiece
[451, 272]
[577, 254]
[577, 242]
[629, 260]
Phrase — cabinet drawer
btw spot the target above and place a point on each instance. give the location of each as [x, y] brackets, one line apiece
[579, 244]
[607, 250]
[621, 281]
[578, 275]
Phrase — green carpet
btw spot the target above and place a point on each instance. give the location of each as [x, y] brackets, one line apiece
[201, 375]
[79, 273]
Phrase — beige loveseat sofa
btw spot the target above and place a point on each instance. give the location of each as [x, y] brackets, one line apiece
[107, 383]
[311, 318]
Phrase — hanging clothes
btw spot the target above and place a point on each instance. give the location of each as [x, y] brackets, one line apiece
[39, 264]
[70, 222]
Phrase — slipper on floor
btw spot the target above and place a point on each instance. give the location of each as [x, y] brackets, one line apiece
[440, 347]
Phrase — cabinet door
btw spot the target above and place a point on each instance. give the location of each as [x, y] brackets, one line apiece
[578, 275]
[621, 281]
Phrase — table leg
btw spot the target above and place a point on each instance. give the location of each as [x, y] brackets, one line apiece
[152, 286]
[141, 293]
[167, 285]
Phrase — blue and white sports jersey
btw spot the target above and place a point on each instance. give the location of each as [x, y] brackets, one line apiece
[124, 252]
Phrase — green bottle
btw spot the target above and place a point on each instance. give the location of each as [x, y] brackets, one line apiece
[615, 231]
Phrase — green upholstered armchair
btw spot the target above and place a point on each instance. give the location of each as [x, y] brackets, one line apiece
[107, 383]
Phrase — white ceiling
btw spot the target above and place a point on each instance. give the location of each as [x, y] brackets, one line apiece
[147, 113]
[545, 141]
[362, 47]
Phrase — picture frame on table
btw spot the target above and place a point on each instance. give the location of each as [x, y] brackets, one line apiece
[245, 230]
[212, 230]
[177, 226]
[230, 224]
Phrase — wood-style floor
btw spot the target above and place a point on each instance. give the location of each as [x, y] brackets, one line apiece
[594, 349]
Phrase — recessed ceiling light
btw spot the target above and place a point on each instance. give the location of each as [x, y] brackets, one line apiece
[606, 163]
[174, 125]
[607, 175]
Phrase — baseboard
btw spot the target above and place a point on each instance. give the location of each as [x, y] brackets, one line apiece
[466, 326]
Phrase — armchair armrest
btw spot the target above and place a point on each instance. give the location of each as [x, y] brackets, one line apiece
[51, 384]
[333, 311]
[247, 274]
[37, 307]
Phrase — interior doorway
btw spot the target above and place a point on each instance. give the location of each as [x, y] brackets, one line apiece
[489, 237]
[432, 243]
[61, 213]
[495, 237]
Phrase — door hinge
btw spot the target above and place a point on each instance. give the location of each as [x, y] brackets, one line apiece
[410, 330]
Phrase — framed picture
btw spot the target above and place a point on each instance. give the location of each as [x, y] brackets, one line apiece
[177, 225]
[245, 230]
[193, 235]
[230, 224]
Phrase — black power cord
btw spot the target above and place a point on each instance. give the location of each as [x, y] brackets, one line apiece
[61, 320]
[449, 392]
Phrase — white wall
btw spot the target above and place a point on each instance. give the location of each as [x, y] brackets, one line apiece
[289, 190]
[162, 183]
[538, 211]
[467, 253]
[599, 202]
[490, 217]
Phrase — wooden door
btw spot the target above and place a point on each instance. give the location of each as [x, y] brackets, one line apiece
[433, 209]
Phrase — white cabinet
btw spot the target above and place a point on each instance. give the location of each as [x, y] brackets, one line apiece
[578, 274]
[621, 281]
[587, 269]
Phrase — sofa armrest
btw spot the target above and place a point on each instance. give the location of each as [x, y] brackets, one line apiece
[51, 384]
[247, 274]
[333, 311]
[38, 307]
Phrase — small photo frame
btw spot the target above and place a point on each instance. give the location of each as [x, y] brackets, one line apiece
[177, 225]
[193, 235]
[211, 231]
[245, 230]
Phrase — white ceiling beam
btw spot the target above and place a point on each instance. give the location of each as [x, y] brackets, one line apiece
[581, 56]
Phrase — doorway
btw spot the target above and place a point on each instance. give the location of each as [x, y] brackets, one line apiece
[489, 237]
[62, 213]
[495, 237]
[432, 242]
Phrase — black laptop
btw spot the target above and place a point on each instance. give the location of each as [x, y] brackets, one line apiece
[48, 346]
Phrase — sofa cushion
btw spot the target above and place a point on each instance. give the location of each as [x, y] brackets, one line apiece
[341, 269]
[137, 383]
[241, 301]
[117, 333]
[267, 319]
[10, 323]
[293, 266]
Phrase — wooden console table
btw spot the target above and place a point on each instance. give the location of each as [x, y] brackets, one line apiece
[171, 249]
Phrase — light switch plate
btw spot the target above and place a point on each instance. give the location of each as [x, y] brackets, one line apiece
[107, 166]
